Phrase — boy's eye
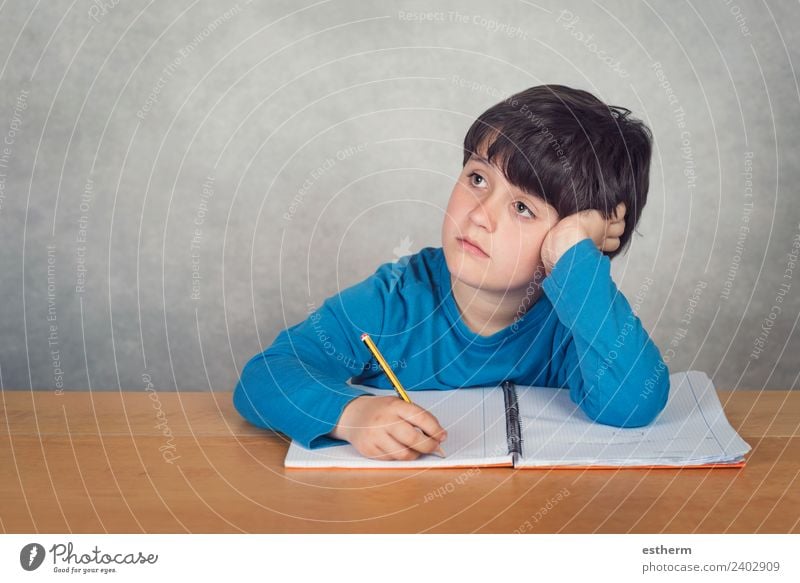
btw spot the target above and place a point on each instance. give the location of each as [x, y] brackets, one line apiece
[520, 206]
[473, 176]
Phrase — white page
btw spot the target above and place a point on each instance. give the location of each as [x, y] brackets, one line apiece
[691, 430]
[476, 434]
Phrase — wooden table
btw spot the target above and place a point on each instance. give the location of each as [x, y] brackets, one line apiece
[158, 462]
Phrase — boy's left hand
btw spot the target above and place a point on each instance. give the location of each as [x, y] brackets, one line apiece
[589, 224]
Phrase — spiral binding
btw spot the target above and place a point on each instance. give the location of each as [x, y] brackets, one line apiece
[513, 430]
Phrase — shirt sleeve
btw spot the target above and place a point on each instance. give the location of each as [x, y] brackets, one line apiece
[612, 368]
[298, 386]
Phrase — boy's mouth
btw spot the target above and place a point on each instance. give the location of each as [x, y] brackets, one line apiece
[471, 247]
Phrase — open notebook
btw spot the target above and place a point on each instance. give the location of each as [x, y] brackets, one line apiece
[536, 427]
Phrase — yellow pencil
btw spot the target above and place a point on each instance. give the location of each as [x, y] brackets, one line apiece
[398, 387]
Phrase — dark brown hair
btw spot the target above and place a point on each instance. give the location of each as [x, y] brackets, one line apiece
[569, 148]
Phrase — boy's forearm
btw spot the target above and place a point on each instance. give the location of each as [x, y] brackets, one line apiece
[621, 378]
[299, 384]
[281, 393]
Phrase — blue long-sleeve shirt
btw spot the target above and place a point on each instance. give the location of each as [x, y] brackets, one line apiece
[581, 334]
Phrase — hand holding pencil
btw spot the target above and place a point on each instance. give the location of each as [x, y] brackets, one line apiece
[388, 427]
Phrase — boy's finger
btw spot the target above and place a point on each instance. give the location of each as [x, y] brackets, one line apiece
[389, 452]
[616, 229]
[395, 450]
[413, 438]
[611, 230]
[423, 419]
[379, 453]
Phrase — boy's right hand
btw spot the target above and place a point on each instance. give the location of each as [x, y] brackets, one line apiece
[386, 428]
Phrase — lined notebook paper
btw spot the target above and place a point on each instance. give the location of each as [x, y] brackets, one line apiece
[691, 431]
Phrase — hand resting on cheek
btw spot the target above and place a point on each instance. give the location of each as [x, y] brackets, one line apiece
[588, 224]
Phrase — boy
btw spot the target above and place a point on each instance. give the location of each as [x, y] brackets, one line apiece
[553, 184]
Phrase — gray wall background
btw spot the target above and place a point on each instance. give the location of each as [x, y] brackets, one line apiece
[299, 145]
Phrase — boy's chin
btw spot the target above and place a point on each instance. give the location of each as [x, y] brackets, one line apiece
[484, 285]
[478, 277]
[473, 276]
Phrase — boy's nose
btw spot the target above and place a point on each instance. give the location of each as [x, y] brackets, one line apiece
[484, 213]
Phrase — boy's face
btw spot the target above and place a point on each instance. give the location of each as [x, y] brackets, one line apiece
[508, 224]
